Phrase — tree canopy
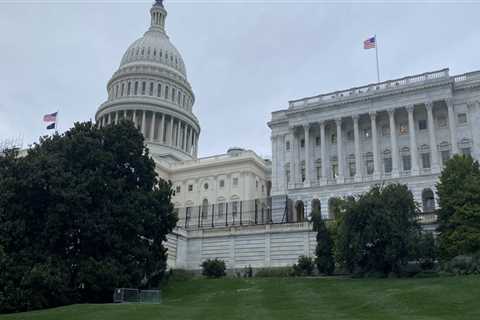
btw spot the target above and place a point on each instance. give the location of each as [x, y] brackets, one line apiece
[376, 231]
[82, 213]
[459, 214]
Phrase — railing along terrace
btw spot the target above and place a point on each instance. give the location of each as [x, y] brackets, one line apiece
[369, 89]
[226, 214]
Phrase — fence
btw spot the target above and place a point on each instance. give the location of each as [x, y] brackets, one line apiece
[128, 295]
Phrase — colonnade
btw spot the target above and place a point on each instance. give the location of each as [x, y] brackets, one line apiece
[163, 128]
[302, 173]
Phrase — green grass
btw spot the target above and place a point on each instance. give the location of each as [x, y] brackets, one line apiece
[294, 298]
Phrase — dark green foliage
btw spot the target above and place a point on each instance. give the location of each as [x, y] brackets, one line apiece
[377, 231]
[459, 214]
[324, 251]
[426, 250]
[304, 266]
[279, 272]
[82, 213]
[462, 265]
[213, 268]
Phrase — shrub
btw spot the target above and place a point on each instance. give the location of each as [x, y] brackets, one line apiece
[279, 272]
[304, 266]
[180, 275]
[213, 268]
[461, 265]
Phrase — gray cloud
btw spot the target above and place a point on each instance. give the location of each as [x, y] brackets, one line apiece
[244, 60]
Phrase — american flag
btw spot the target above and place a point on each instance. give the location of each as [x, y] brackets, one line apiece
[50, 117]
[370, 43]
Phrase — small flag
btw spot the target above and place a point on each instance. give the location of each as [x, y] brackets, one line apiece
[370, 43]
[50, 117]
[51, 126]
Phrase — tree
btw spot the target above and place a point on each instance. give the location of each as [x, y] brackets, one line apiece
[82, 213]
[324, 251]
[459, 214]
[377, 230]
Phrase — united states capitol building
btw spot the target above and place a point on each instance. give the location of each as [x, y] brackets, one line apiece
[252, 211]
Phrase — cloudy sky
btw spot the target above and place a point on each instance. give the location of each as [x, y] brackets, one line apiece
[244, 59]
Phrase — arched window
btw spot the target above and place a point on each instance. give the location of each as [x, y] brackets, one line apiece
[144, 87]
[316, 206]
[220, 207]
[204, 208]
[166, 92]
[123, 90]
[300, 211]
[159, 90]
[428, 200]
[151, 88]
[135, 90]
[129, 87]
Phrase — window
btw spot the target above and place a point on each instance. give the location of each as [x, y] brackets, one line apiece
[426, 160]
[190, 187]
[367, 133]
[445, 156]
[466, 151]
[287, 175]
[151, 88]
[370, 166]
[442, 121]
[205, 186]
[422, 125]
[302, 143]
[334, 138]
[235, 181]
[178, 189]
[221, 209]
[403, 129]
[179, 97]
[204, 208]
[129, 85]
[334, 170]
[222, 183]
[319, 172]
[256, 184]
[407, 163]
[159, 90]
[352, 169]
[144, 87]
[123, 90]
[350, 135]
[462, 118]
[387, 165]
[317, 141]
[135, 90]
[173, 94]
[287, 145]
[234, 207]
[385, 130]
[263, 188]
[166, 92]
[302, 173]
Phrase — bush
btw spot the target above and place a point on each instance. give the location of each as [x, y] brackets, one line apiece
[426, 251]
[304, 266]
[180, 275]
[280, 272]
[213, 268]
[463, 264]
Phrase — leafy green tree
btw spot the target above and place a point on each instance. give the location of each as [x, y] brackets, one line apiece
[82, 213]
[377, 230]
[459, 214]
[324, 251]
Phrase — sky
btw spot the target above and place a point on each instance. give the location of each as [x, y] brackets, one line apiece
[244, 59]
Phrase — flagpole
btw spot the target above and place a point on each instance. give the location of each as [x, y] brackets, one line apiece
[376, 54]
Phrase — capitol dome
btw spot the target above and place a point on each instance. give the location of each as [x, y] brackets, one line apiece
[151, 89]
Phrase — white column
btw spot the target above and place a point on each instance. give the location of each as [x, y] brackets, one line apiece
[323, 154]
[452, 126]
[393, 141]
[144, 129]
[184, 138]
[358, 156]
[171, 132]
[376, 164]
[275, 175]
[116, 117]
[307, 155]
[124, 114]
[134, 118]
[109, 118]
[413, 140]
[161, 134]
[177, 135]
[187, 142]
[433, 141]
[340, 178]
[292, 158]
[152, 126]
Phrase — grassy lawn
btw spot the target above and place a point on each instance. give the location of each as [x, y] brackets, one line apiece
[294, 298]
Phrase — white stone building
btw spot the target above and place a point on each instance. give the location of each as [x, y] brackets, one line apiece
[402, 130]
[330, 145]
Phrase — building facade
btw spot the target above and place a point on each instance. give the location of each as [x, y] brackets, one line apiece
[403, 130]
[255, 212]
